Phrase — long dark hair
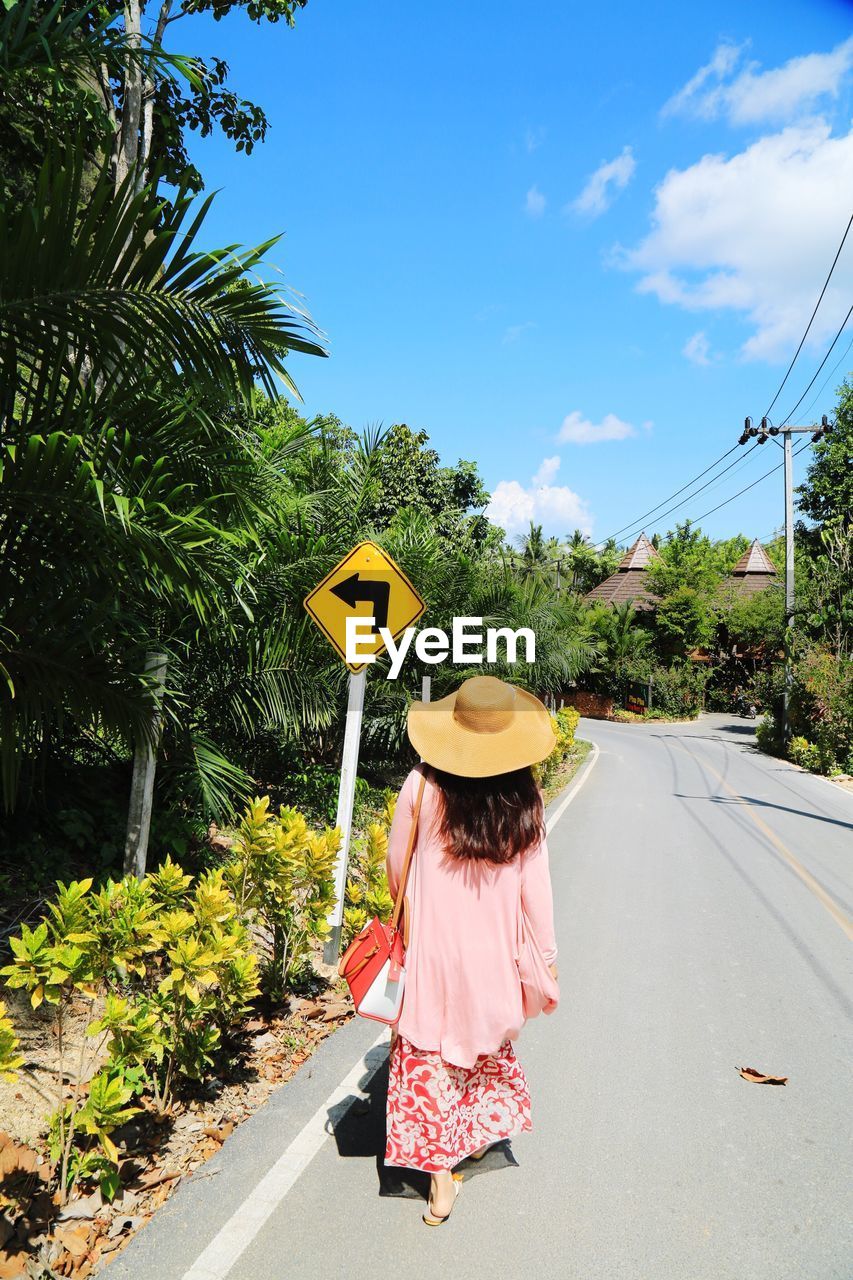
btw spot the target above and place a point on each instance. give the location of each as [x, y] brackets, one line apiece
[494, 819]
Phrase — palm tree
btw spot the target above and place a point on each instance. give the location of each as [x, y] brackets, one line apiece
[129, 497]
[626, 645]
[533, 558]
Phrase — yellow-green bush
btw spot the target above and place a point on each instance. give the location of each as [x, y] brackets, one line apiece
[172, 963]
[10, 1059]
[367, 892]
[282, 877]
[805, 754]
[564, 724]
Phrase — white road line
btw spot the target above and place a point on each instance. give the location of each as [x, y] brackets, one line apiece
[240, 1230]
[572, 792]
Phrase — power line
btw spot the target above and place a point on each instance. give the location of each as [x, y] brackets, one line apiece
[811, 321]
[820, 366]
[656, 510]
[747, 487]
[713, 483]
[633, 524]
[831, 373]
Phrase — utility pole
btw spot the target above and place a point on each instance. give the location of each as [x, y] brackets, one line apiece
[763, 433]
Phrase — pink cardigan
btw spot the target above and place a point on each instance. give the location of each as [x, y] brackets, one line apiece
[463, 993]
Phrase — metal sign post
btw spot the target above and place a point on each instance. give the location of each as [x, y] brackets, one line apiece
[365, 585]
[343, 820]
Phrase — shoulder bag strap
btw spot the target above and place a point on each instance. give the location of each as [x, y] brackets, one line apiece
[407, 861]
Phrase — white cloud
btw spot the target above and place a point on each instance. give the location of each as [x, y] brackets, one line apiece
[513, 332]
[754, 234]
[690, 99]
[601, 187]
[577, 429]
[547, 471]
[555, 507]
[697, 349]
[752, 95]
[534, 203]
[534, 138]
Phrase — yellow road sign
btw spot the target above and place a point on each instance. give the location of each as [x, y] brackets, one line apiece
[366, 584]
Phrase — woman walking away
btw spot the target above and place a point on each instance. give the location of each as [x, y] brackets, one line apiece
[479, 894]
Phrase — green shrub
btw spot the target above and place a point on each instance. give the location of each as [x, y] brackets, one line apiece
[820, 710]
[282, 876]
[768, 737]
[679, 690]
[804, 753]
[822, 704]
[172, 962]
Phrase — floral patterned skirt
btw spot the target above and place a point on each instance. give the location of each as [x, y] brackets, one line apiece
[438, 1114]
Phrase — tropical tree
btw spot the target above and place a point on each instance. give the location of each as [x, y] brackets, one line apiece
[581, 561]
[533, 559]
[99, 73]
[128, 494]
[826, 495]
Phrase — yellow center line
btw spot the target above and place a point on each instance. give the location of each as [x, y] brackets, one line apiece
[782, 849]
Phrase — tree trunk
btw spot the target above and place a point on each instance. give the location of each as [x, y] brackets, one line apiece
[127, 153]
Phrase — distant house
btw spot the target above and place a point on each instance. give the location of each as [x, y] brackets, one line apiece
[630, 581]
[754, 572]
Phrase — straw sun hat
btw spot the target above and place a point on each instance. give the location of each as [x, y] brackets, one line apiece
[485, 727]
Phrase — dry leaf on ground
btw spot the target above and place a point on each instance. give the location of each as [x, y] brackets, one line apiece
[13, 1265]
[154, 1177]
[337, 1009]
[758, 1077]
[220, 1132]
[75, 1240]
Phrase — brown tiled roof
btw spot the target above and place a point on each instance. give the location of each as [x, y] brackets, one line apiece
[629, 581]
[639, 556]
[754, 572]
[755, 560]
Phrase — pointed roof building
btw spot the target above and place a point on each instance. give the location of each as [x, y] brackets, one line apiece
[754, 572]
[629, 582]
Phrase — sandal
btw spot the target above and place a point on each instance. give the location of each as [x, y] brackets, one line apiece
[433, 1220]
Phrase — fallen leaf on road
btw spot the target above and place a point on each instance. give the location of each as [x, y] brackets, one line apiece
[758, 1077]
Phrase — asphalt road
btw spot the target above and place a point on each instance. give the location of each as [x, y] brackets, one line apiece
[703, 898]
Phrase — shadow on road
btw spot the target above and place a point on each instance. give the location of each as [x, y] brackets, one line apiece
[358, 1126]
[766, 804]
[809, 959]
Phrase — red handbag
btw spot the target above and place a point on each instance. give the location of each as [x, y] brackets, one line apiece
[374, 963]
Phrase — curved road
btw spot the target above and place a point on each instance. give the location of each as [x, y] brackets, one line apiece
[704, 896]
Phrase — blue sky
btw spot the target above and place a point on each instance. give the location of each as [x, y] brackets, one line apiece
[575, 244]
